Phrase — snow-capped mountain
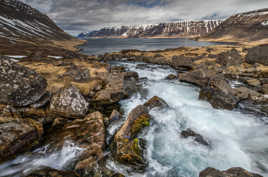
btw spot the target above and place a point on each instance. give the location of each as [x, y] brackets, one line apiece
[20, 21]
[251, 25]
[181, 28]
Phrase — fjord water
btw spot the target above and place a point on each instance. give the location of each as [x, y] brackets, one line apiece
[101, 46]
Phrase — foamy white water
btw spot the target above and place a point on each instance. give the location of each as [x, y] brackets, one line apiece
[236, 139]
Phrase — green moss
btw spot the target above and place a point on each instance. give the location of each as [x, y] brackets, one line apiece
[141, 122]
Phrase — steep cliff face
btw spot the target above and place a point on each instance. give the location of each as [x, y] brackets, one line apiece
[250, 25]
[182, 28]
[20, 21]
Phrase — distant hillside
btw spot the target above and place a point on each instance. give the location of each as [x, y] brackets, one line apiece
[250, 26]
[26, 31]
[179, 29]
[20, 21]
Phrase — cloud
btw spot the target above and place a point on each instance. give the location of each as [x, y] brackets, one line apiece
[85, 15]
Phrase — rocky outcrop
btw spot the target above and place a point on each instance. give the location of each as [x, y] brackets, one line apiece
[183, 28]
[69, 102]
[18, 135]
[258, 54]
[232, 172]
[127, 147]
[20, 86]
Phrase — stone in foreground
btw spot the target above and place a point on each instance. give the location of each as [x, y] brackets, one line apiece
[69, 102]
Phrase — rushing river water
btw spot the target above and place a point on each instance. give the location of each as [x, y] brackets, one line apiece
[101, 46]
[236, 139]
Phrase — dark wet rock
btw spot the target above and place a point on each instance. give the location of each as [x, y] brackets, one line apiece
[171, 77]
[219, 94]
[18, 135]
[127, 147]
[48, 172]
[258, 54]
[141, 66]
[198, 77]
[69, 102]
[253, 107]
[232, 172]
[20, 86]
[43, 101]
[229, 58]
[197, 137]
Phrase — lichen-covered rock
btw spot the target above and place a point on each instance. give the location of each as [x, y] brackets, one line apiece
[69, 102]
[127, 147]
[18, 135]
[48, 172]
[19, 86]
[232, 172]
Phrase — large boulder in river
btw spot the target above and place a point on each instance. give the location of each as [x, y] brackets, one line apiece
[197, 137]
[69, 102]
[18, 135]
[127, 147]
[258, 54]
[232, 172]
[19, 86]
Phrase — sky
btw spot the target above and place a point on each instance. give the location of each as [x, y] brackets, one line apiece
[75, 16]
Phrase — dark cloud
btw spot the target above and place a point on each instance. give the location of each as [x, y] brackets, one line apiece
[75, 16]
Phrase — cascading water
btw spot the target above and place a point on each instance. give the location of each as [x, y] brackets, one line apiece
[236, 139]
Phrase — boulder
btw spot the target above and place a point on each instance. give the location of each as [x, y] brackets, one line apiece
[219, 94]
[182, 61]
[119, 86]
[77, 73]
[229, 58]
[197, 137]
[253, 82]
[18, 135]
[20, 86]
[232, 172]
[198, 77]
[127, 147]
[258, 54]
[69, 102]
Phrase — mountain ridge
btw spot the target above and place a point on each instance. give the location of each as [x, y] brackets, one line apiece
[182, 28]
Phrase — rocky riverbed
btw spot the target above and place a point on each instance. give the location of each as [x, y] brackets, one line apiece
[83, 117]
